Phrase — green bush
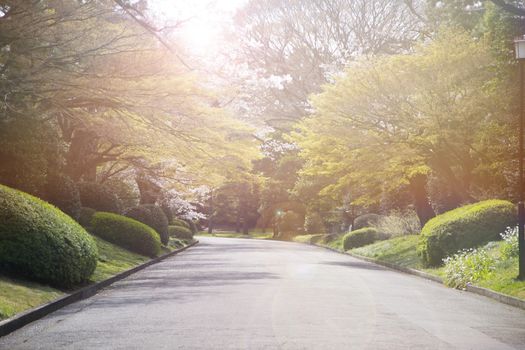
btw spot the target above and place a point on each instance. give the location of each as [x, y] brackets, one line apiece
[98, 197]
[366, 220]
[41, 242]
[180, 222]
[86, 214]
[363, 236]
[126, 233]
[153, 216]
[180, 232]
[62, 192]
[465, 227]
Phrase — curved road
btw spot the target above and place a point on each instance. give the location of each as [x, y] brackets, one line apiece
[249, 294]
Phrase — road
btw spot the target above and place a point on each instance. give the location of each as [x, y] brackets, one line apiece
[250, 294]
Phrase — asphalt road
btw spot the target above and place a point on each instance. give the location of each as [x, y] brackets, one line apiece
[247, 294]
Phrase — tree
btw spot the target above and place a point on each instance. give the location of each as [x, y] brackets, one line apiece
[392, 121]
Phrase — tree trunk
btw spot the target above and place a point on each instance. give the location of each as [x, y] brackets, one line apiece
[149, 191]
[419, 193]
[80, 158]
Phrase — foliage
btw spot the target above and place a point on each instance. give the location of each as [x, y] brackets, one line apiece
[399, 223]
[467, 266]
[99, 197]
[62, 192]
[510, 246]
[290, 224]
[41, 242]
[362, 237]
[179, 222]
[126, 232]
[391, 122]
[313, 223]
[153, 216]
[366, 220]
[465, 227]
[86, 214]
[401, 251]
[180, 232]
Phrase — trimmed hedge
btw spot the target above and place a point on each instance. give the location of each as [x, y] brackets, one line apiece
[465, 227]
[86, 214]
[126, 233]
[41, 242]
[180, 222]
[180, 232]
[153, 216]
[363, 236]
[98, 197]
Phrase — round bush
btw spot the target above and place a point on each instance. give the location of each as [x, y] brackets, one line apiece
[62, 192]
[465, 227]
[180, 222]
[363, 236]
[180, 232]
[154, 217]
[86, 214]
[98, 197]
[366, 220]
[41, 242]
[126, 232]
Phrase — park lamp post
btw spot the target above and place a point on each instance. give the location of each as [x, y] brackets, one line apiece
[519, 44]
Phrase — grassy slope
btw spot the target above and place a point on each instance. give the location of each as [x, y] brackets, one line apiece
[402, 251]
[17, 295]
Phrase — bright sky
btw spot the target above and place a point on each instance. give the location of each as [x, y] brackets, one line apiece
[205, 18]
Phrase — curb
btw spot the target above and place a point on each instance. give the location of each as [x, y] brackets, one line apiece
[18, 321]
[502, 298]
[385, 264]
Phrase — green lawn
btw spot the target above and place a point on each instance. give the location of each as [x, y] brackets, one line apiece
[231, 234]
[17, 295]
[402, 251]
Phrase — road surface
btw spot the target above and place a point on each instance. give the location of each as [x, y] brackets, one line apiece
[250, 294]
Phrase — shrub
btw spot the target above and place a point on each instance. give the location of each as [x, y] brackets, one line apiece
[362, 237]
[154, 217]
[86, 214]
[464, 227]
[180, 222]
[180, 232]
[509, 247]
[313, 223]
[62, 192]
[366, 220]
[467, 266]
[126, 232]
[98, 197]
[41, 242]
[193, 226]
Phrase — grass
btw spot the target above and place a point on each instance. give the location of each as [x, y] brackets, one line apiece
[113, 260]
[230, 234]
[17, 295]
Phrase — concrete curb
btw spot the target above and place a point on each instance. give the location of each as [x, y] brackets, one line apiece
[18, 321]
[502, 298]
